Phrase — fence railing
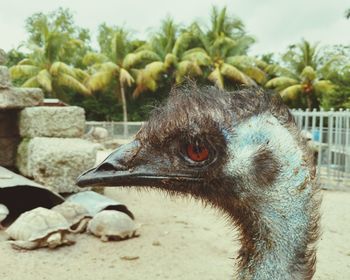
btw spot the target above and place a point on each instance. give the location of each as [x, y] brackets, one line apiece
[119, 130]
[328, 132]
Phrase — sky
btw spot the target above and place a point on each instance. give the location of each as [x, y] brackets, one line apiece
[275, 24]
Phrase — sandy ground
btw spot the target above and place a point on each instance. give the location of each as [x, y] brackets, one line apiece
[180, 239]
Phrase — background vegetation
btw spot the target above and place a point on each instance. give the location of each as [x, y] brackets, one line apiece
[126, 77]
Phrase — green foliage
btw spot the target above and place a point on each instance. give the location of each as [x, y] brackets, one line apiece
[303, 76]
[57, 33]
[138, 74]
[14, 56]
[55, 44]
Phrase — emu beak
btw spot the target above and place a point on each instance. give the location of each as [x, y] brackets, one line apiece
[132, 165]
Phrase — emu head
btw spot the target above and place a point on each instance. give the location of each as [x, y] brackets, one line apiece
[241, 152]
[205, 142]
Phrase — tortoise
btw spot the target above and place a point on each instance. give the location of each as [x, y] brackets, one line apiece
[112, 225]
[76, 215]
[39, 227]
[4, 211]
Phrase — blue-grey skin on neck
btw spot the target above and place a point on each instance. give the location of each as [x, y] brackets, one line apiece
[282, 209]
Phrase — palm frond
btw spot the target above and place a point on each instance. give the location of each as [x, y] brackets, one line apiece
[323, 87]
[221, 46]
[291, 92]
[234, 74]
[308, 74]
[73, 84]
[23, 71]
[182, 43]
[99, 81]
[170, 61]
[281, 82]
[119, 45]
[109, 66]
[256, 74]
[81, 75]
[216, 77]
[198, 56]
[25, 61]
[54, 44]
[59, 67]
[92, 58]
[31, 83]
[155, 69]
[144, 57]
[144, 81]
[187, 68]
[277, 70]
[248, 65]
[125, 77]
[242, 46]
[44, 80]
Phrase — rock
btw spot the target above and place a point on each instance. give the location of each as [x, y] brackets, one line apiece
[55, 162]
[18, 98]
[97, 134]
[5, 81]
[48, 121]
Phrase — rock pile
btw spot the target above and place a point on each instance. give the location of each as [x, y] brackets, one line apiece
[42, 142]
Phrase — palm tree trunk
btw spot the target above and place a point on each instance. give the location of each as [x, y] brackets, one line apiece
[309, 101]
[125, 112]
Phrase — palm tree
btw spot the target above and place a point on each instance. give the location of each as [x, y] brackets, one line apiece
[169, 43]
[43, 67]
[222, 49]
[216, 54]
[302, 80]
[115, 65]
[225, 43]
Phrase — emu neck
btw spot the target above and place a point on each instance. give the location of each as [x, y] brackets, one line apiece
[277, 215]
[277, 241]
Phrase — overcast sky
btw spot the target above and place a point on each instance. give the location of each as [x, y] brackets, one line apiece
[274, 23]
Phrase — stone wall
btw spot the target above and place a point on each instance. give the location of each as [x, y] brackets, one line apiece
[12, 100]
[42, 142]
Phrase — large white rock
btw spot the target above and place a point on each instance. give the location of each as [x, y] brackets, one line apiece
[47, 121]
[18, 98]
[56, 162]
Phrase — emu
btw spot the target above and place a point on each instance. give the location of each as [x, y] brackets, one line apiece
[242, 153]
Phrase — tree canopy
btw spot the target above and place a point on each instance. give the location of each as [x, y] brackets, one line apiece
[127, 76]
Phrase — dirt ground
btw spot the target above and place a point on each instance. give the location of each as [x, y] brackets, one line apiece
[179, 239]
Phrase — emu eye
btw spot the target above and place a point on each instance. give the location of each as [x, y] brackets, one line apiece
[197, 152]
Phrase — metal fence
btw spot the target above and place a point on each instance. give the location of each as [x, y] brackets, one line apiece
[118, 130]
[329, 134]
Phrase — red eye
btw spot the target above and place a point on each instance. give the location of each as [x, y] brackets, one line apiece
[197, 152]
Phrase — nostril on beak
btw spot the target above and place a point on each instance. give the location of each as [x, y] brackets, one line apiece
[106, 166]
